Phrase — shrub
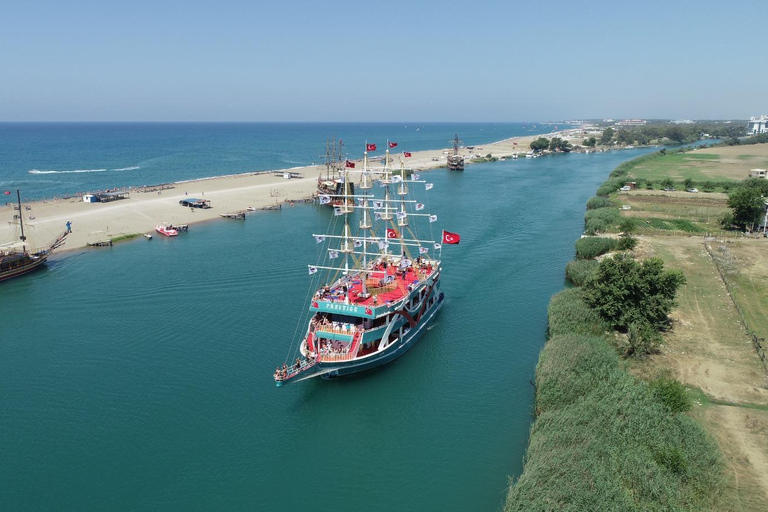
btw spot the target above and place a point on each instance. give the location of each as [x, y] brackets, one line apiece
[626, 243]
[578, 271]
[726, 221]
[601, 220]
[672, 394]
[593, 246]
[642, 340]
[597, 202]
[610, 186]
[595, 226]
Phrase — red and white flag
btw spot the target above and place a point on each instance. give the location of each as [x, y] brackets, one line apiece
[393, 144]
[350, 164]
[370, 147]
[391, 233]
[406, 154]
[451, 238]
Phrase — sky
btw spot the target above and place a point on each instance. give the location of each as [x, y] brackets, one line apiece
[346, 60]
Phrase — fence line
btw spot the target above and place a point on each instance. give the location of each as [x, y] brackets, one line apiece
[757, 342]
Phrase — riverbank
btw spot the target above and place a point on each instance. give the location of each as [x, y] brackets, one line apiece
[147, 207]
[714, 348]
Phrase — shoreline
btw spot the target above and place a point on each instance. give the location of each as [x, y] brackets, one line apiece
[143, 210]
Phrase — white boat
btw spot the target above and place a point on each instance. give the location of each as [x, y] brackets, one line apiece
[165, 230]
[148, 236]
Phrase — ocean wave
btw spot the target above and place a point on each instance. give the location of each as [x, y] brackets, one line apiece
[77, 171]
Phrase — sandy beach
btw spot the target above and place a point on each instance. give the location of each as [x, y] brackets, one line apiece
[146, 208]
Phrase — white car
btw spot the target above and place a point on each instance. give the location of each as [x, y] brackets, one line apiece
[692, 190]
[625, 188]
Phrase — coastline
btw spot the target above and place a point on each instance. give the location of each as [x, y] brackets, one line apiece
[150, 206]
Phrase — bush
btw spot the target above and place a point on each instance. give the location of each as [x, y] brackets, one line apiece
[726, 221]
[626, 243]
[642, 340]
[578, 271]
[672, 394]
[593, 246]
[610, 186]
[596, 202]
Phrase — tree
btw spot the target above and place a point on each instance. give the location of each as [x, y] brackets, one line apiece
[607, 135]
[667, 183]
[590, 142]
[540, 144]
[675, 134]
[624, 291]
[558, 144]
[747, 204]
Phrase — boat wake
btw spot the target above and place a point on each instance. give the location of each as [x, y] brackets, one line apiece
[78, 171]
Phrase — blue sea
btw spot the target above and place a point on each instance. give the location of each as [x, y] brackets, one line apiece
[139, 377]
[47, 160]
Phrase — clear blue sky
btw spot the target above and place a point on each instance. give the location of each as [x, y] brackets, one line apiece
[345, 60]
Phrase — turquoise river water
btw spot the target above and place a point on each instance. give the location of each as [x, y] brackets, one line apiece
[139, 377]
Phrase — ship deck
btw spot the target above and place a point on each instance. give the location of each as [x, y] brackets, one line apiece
[384, 284]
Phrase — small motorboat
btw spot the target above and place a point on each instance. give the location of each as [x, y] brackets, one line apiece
[148, 236]
[250, 209]
[167, 231]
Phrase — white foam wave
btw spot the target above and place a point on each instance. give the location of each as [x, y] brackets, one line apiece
[78, 171]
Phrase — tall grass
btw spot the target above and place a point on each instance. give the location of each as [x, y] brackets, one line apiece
[593, 246]
[603, 440]
[578, 271]
[601, 220]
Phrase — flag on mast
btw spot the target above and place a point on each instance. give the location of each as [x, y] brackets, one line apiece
[350, 164]
[370, 147]
[451, 238]
[429, 186]
[406, 154]
[391, 233]
[393, 144]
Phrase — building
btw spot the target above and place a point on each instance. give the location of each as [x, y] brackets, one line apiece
[757, 125]
[632, 122]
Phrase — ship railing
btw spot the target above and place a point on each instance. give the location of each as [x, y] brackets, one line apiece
[349, 354]
[293, 370]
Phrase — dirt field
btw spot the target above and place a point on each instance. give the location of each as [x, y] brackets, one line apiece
[709, 350]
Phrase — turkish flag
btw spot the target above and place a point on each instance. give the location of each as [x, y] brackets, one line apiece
[406, 154]
[7, 192]
[451, 238]
[370, 147]
[393, 144]
[350, 164]
[391, 233]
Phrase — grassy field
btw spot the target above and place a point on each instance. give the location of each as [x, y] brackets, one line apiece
[722, 163]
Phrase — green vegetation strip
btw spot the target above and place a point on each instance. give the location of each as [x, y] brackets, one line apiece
[122, 238]
[604, 440]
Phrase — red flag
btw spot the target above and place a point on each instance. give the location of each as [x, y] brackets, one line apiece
[391, 233]
[350, 164]
[451, 238]
[406, 154]
[393, 144]
[7, 192]
[370, 147]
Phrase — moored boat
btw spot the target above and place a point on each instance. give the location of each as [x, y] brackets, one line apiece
[166, 230]
[456, 161]
[15, 262]
[386, 288]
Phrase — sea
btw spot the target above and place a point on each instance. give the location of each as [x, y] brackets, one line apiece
[139, 377]
[46, 160]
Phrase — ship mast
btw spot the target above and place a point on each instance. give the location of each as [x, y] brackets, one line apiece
[21, 220]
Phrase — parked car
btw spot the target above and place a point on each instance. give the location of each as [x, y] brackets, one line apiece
[691, 190]
[625, 188]
[669, 189]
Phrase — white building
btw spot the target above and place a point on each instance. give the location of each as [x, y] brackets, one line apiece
[757, 125]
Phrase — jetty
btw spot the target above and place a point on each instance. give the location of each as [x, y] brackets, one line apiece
[100, 243]
[234, 215]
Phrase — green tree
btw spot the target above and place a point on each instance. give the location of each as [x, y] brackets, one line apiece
[688, 183]
[540, 144]
[667, 183]
[675, 134]
[625, 291]
[747, 204]
[607, 135]
[590, 142]
[625, 137]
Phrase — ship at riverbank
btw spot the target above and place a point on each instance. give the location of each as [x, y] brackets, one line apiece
[456, 161]
[15, 261]
[386, 289]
